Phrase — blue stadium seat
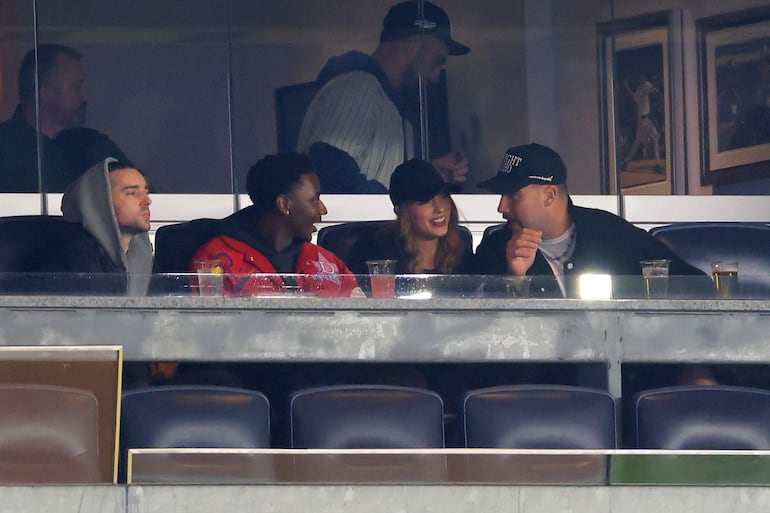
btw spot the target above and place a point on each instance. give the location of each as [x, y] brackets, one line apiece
[175, 245]
[489, 230]
[703, 417]
[366, 417]
[22, 253]
[539, 417]
[193, 416]
[702, 243]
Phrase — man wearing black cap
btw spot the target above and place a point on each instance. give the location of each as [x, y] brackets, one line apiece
[548, 236]
[360, 108]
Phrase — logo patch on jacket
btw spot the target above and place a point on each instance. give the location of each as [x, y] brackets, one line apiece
[326, 270]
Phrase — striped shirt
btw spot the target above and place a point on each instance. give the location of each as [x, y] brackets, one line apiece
[353, 113]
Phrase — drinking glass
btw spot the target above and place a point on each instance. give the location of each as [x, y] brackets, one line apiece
[655, 274]
[725, 274]
[382, 274]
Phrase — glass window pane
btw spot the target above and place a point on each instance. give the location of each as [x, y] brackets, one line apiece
[18, 154]
[156, 86]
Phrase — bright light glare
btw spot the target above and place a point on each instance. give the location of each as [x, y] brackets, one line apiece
[595, 286]
[424, 294]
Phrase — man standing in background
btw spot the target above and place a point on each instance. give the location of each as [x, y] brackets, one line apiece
[67, 149]
[360, 109]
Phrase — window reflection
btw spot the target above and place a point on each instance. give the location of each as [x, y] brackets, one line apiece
[193, 92]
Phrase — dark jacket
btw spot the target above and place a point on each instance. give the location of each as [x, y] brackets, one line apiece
[97, 248]
[605, 244]
[387, 244]
[64, 158]
[357, 61]
[83, 255]
[339, 173]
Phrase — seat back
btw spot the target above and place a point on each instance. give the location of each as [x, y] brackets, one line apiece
[340, 238]
[366, 417]
[702, 243]
[175, 245]
[27, 242]
[489, 230]
[291, 103]
[539, 417]
[48, 434]
[192, 416]
[703, 417]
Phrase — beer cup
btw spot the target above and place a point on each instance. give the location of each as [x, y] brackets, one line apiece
[725, 274]
[655, 273]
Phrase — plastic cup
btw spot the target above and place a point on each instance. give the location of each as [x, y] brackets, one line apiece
[210, 277]
[655, 274]
[382, 275]
[725, 274]
[518, 286]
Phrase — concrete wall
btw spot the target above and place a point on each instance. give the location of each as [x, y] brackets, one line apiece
[379, 498]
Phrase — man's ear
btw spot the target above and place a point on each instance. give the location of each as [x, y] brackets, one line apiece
[283, 204]
[550, 193]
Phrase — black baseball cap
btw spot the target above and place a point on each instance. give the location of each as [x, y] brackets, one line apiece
[404, 19]
[415, 180]
[530, 164]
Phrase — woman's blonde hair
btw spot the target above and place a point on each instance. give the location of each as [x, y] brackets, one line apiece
[450, 246]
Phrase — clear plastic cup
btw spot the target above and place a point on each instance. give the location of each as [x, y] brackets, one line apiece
[382, 275]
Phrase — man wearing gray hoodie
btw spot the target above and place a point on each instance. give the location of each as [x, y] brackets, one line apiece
[111, 202]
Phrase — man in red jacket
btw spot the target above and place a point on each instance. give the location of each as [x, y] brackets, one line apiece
[266, 248]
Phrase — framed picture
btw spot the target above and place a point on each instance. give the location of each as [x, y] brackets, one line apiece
[635, 77]
[734, 85]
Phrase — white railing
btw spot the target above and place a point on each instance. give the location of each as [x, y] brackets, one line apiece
[477, 211]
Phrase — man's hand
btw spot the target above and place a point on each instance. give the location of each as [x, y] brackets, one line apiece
[453, 167]
[521, 250]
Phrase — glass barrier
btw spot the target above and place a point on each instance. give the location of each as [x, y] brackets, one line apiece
[193, 93]
[403, 287]
[18, 148]
[478, 466]
[487, 466]
[157, 83]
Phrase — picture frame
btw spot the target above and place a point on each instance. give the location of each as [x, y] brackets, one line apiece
[734, 95]
[637, 71]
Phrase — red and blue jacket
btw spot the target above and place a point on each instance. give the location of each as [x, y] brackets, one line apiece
[247, 272]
